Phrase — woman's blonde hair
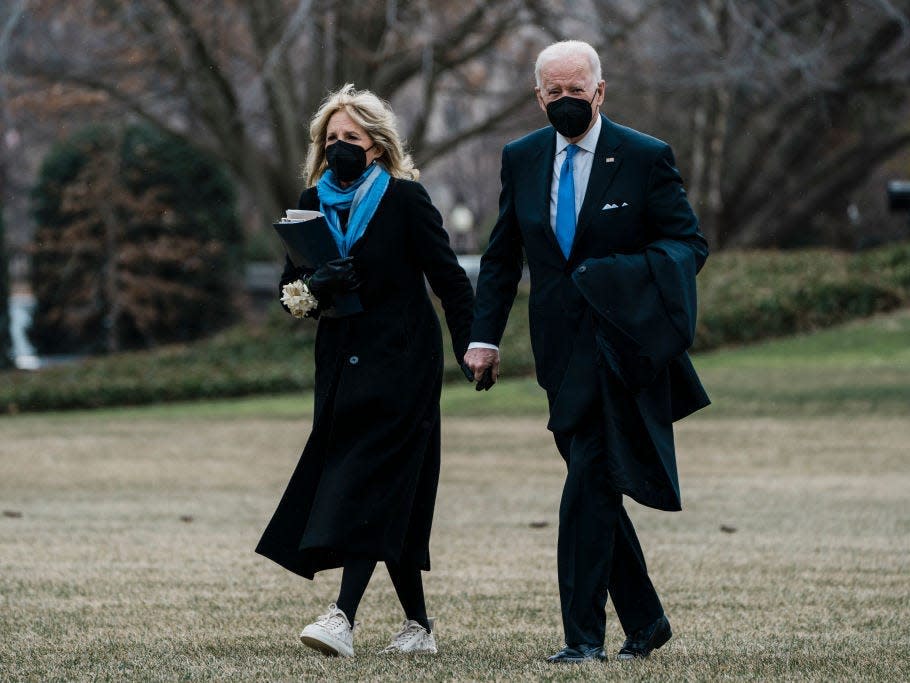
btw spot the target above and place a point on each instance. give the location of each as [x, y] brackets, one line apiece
[372, 114]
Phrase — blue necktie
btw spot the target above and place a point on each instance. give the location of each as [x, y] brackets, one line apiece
[565, 204]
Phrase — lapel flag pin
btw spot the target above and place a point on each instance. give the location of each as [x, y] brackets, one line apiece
[610, 160]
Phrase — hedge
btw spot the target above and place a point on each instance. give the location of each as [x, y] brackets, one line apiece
[748, 296]
[744, 297]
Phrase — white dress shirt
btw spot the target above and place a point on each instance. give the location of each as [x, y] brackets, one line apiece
[581, 170]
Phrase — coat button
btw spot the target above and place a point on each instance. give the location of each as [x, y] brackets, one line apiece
[353, 360]
[582, 269]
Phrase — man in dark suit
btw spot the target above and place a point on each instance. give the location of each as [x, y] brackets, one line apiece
[613, 247]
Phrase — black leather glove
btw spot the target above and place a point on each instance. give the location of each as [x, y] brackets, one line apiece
[486, 380]
[332, 278]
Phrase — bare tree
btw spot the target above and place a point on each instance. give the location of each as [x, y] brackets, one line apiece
[240, 77]
[793, 105]
[779, 109]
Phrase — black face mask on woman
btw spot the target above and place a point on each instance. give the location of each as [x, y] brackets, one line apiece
[569, 115]
[347, 161]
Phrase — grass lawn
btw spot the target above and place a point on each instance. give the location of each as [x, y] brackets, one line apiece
[126, 535]
[859, 368]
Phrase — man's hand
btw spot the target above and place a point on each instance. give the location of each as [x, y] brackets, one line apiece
[478, 361]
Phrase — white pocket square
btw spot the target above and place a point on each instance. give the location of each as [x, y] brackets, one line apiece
[608, 206]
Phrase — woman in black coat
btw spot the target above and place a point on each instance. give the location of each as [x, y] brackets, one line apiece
[365, 486]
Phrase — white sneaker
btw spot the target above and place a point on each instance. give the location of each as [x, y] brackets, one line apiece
[331, 634]
[413, 639]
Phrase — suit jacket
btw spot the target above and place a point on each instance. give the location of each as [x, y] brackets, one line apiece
[634, 205]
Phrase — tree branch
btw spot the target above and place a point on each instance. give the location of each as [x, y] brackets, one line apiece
[217, 90]
[392, 74]
[53, 73]
[794, 207]
[437, 149]
[279, 50]
[278, 84]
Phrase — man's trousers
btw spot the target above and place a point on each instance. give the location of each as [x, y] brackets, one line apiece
[598, 552]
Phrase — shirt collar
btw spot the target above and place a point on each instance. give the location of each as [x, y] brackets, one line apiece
[588, 143]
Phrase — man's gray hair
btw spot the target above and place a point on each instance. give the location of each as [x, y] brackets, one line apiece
[568, 48]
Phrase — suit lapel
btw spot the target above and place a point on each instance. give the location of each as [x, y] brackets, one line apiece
[542, 164]
[603, 169]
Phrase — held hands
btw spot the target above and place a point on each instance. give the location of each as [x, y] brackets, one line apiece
[485, 381]
[483, 364]
[334, 277]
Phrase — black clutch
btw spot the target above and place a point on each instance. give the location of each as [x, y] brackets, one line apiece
[309, 244]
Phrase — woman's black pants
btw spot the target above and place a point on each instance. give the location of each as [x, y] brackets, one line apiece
[406, 579]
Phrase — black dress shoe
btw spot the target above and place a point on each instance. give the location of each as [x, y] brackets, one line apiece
[578, 653]
[640, 643]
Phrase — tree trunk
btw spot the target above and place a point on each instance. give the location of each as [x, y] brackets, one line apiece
[715, 198]
[110, 273]
[696, 183]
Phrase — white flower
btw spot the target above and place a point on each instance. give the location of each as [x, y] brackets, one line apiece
[298, 298]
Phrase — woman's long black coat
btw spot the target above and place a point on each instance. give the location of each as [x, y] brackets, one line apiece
[366, 481]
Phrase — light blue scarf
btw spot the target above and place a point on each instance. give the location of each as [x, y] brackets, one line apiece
[362, 197]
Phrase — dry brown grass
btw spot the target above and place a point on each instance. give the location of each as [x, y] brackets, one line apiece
[101, 579]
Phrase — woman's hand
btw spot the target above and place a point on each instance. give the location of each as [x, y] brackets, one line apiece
[334, 277]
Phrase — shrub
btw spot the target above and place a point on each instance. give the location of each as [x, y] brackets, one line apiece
[745, 297]
[892, 264]
[748, 296]
[137, 243]
[235, 362]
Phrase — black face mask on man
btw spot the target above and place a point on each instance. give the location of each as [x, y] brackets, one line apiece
[570, 116]
[347, 161]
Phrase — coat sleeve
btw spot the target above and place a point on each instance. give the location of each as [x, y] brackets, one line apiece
[291, 272]
[668, 214]
[500, 267]
[440, 265]
[678, 249]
